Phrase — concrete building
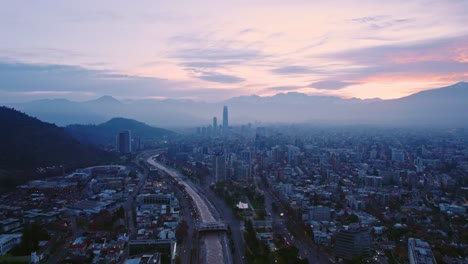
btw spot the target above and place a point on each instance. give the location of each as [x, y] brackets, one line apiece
[154, 258]
[373, 182]
[419, 252]
[225, 119]
[9, 224]
[158, 198]
[246, 156]
[353, 241]
[162, 246]
[8, 241]
[293, 151]
[124, 145]
[215, 125]
[219, 166]
[398, 155]
[319, 213]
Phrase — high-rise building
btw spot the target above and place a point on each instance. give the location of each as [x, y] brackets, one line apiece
[398, 155]
[123, 142]
[219, 166]
[352, 241]
[246, 156]
[225, 119]
[215, 124]
[419, 252]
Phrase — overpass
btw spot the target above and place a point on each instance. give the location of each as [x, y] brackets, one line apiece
[212, 227]
[213, 246]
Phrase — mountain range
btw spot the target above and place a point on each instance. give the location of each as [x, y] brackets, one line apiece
[445, 106]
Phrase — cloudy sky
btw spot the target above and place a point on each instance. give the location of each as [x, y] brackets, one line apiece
[214, 50]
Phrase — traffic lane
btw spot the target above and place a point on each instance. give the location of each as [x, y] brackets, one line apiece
[213, 249]
[229, 218]
[205, 213]
[185, 250]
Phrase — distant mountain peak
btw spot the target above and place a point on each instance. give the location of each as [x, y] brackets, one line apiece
[122, 120]
[104, 134]
[106, 99]
[458, 90]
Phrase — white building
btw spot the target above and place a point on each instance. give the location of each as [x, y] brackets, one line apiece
[419, 252]
[8, 241]
[166, 234]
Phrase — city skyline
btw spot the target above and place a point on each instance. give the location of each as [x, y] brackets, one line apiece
[211, 51]
[236, 132]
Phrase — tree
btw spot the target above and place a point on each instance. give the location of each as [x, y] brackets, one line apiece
[32, 234]
[120, 213]
[181, 231]
[353, 218]
[274, 207]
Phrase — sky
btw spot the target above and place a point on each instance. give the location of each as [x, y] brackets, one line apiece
[215, 50]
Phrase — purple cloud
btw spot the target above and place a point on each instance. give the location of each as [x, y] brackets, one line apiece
[220, 54]
[292, 70]
[283, 88]
[436, 58]
[220, 78]
[330, 85]
[380, 22]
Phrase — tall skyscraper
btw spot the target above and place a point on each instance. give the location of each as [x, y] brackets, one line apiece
[123, 142]
[215, 124]
[225, 119]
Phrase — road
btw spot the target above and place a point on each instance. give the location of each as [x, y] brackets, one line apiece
[307, 248]
[187, 215]
[213, 248]
[129, 205]
[230, 219]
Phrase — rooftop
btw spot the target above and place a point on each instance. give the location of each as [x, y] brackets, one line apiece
[421, 250]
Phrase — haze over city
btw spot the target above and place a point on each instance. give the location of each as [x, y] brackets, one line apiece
[234, 132]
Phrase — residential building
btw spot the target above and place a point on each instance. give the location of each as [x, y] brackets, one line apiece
[419, 252]
[353, 241]
[219, 166]
[8, 241]
[123, 142]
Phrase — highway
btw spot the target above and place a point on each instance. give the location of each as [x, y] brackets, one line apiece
[229, 218]
[212, 246]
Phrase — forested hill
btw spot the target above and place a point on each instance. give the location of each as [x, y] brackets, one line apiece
[28, 143]
[105, 133]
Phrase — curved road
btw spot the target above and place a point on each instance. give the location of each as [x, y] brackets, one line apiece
[213, 249]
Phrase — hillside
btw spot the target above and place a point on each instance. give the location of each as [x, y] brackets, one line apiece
[105, 134]
[28, 143]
